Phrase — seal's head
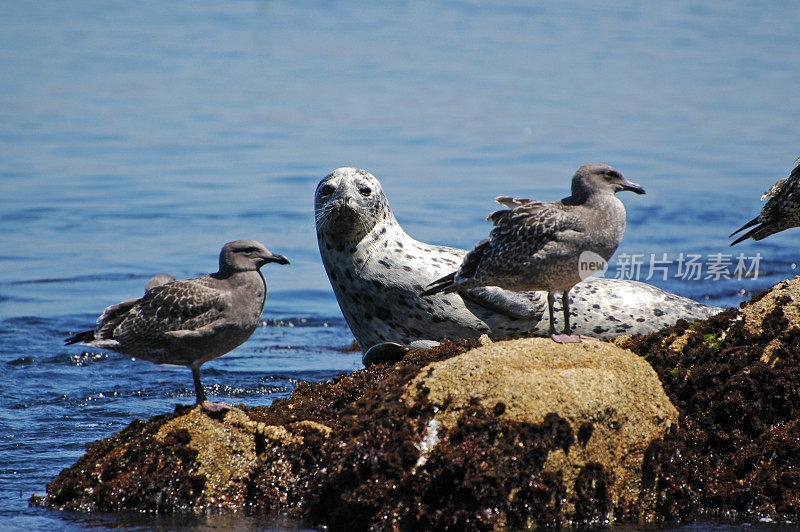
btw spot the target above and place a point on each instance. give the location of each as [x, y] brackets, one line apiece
[348, 204]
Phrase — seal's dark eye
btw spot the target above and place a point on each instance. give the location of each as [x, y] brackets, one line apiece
[365, 191]
[327, 190]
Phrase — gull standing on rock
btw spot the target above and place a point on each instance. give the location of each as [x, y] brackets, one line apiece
[543, 246]
[191, 321]
[781, 211]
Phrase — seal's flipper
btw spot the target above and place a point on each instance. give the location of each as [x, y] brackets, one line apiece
[384, 353]
[520, 305]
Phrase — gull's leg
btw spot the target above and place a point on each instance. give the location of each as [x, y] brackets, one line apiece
[198, 386]
[567, 336]
[200, 394]
[551, 299]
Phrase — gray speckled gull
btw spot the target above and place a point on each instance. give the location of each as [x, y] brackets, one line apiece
[782, 210]
[537, 245]
[190, 321]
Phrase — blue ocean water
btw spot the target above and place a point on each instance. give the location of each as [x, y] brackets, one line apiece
[137, 138]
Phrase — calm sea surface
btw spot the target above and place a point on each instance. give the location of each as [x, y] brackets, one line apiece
[138, 137]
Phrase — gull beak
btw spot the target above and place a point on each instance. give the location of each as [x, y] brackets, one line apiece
[274, 257]
[629, 185]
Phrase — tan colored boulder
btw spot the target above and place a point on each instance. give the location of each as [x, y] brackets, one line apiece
[611, 397]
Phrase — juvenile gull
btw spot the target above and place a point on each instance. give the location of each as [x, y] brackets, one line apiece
[537, 245]
[190, 321]
[377, 271]
[781, 211]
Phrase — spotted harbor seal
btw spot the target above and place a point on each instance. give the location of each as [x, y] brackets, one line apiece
[537, 245]
[377, 272]
[190, 321]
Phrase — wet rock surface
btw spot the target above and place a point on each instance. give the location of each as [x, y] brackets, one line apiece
[451, 439]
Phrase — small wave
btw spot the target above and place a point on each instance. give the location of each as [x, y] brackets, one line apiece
[283, 348]
[22, 361]
[22, 325]
[295, 178]
[303, 322]
[80, 279]
[86, 358]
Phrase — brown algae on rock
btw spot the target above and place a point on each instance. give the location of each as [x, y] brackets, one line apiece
[350, 454]
[448, 440]
[131, 470]
[736, 382]
[225, 450]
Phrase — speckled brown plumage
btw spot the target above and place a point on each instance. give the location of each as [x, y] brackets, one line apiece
[782, 210]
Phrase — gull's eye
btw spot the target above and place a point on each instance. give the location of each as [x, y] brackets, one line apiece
[365, 191]
[327, 190]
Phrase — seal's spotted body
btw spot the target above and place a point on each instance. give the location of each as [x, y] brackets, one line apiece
[377, 272]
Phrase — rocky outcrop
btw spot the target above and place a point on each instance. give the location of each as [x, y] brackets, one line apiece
[610, 400]
[513, 433]
[507, 434]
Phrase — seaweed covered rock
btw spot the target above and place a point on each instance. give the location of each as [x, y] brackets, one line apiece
[259, 458]
[611, 402]
[511, 434]
[180, 461]
[735, 378]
